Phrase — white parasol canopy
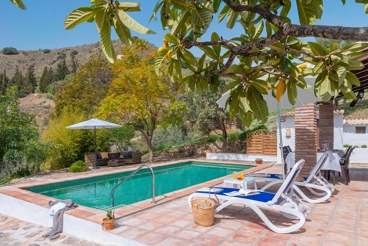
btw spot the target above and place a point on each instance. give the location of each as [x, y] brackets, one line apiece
[93, 124]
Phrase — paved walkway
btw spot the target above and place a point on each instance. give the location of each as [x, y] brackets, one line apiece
[340, 221]
[16, 232]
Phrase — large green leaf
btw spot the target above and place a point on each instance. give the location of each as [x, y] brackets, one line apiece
[180, 22]
[306, 12]
[201, 18]
[233, 16]
[105, 36]
[132, 24]
[189, 57]
[19, 3]
[223, 12]
[209, 52]
[257, 104]
[292, 92]
[278, 47]
[122, 31]
[318, 49]
[80, 15]
[352, 78]
[129, 6]
[172, 39]
[159, 58]
[217, 48]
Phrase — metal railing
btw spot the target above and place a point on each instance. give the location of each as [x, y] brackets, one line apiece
[130, 175]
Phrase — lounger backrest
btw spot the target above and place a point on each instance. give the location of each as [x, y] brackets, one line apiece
[288, 183]
[318, 165]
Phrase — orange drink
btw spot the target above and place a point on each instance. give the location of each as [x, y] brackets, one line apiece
[241, 175]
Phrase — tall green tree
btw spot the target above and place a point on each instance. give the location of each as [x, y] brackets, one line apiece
[17, 130]
[61, 71]
[30, 81]
[73, 64]
[88, 87]
[17, 79]
[204, 115]
[140, 97]
[43, 81]
[4, 82]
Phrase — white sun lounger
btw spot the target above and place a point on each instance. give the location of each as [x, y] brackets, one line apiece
[315, 182]
[284, 201]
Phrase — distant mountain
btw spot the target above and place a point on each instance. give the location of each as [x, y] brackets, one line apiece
[45, 57]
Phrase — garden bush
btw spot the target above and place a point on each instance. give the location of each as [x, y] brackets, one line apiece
[10, 51]
[363, 146]
[78, 166]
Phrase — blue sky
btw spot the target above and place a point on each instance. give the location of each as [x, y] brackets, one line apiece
[41, 26]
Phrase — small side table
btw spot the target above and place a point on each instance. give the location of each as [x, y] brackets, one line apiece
[115, 163]
[243, 183]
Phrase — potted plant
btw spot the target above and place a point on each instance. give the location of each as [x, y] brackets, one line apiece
[110, 220]
[259, 160]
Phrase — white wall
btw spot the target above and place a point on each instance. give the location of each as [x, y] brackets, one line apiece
[351, 138]
[338, 131]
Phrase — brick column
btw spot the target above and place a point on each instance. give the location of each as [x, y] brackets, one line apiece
[306, 136]
[326, 125]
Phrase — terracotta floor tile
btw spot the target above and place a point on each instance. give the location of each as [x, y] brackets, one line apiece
[199, 228]
[208, 240]
[280, 236]
[266, 241]
[186, 234]
[254, 228]
[362, 241]
[133, 233]
[172, 242]
[336, 227]
[231, 224]
[167, 229]
[150, 225]
[231, 242]
[305, 240]
[134, 222]
[181, 223]
[164, 219]
[149, 216]
[329, 242]
[245, 237]
[338, 236]
[220, 232]
[150, 238]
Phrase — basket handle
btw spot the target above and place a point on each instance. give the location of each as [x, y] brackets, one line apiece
[214, 193]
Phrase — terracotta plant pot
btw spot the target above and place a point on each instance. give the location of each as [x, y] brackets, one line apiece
[108, 223]
[259, 162]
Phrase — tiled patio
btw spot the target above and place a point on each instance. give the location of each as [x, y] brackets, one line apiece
[340, 221]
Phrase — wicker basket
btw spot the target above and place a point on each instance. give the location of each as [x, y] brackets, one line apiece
[203, 211]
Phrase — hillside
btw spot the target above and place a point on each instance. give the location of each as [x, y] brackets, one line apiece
[38, 105]
[40, 59]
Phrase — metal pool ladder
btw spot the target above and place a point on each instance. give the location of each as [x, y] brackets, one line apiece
[130, 175]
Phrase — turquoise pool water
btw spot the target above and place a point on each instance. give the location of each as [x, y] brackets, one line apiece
[95, 191]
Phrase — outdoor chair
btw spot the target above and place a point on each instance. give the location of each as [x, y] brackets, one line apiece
[285, 151]
[344, 163]
[283, 201]
[315, 182]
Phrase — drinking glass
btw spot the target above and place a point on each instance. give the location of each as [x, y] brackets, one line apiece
[235, 175]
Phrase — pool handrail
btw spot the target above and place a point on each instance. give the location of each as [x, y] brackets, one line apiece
[130, 175]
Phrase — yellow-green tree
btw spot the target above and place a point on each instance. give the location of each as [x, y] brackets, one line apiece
[88, 87]
[139, 96]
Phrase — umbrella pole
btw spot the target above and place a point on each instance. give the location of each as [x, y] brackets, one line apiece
[95, 166]
[280, 144]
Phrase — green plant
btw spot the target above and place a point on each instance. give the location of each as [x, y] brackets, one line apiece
[233, 136]
[10, 51]
[259, 159]
[356, 146]
[46, 51]
[110, 214]
[78, 166]
[346, 146]
[363, 146]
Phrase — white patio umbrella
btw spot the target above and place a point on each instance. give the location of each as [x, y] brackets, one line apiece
[94, 124]
[305, 96]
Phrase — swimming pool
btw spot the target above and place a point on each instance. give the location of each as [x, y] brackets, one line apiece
[95, 191]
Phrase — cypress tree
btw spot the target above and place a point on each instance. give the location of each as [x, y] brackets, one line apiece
[43, 80]
[17, 79]
[30, 80]
[61, 70]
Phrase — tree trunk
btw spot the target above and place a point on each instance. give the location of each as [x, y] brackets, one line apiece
[150, 149]
[224, 143]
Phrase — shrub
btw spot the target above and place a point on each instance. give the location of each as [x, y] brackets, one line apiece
[233, 136]
[346, 146]
[73, 52]
[10, 51]
[356, 146]
[46, 51]
[363, 146]
[78, 166]
[61, 56]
